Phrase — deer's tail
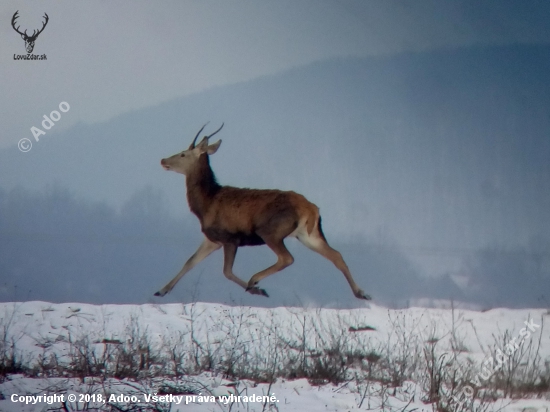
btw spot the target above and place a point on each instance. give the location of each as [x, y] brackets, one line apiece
[313, 220]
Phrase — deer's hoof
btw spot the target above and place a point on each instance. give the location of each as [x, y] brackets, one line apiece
[160, 293]
[257, 291]
[362, 295]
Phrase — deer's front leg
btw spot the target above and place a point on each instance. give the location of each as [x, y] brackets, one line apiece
[230, 251]
[202, 252]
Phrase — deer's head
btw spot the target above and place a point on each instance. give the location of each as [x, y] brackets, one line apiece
[188, 160]
[29, 40]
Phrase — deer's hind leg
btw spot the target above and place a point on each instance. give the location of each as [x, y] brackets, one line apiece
[284, 259]
[317, 242]
[273, 235]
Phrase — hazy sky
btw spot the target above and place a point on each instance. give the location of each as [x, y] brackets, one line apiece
[106, 58]
[143, 74]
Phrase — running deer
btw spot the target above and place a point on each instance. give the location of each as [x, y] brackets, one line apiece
[231, 217]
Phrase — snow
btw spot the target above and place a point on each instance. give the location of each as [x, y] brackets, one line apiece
[41, 329]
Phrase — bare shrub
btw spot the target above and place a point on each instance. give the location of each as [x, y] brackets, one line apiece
[11, 360]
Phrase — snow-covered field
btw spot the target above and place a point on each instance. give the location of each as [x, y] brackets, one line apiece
[193, 357]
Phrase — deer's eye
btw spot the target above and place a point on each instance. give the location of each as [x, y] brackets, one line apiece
[182, 155]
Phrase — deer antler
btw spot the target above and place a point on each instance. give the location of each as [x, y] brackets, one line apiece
[192, 146]
[43, 27]
[208, 137]
[15, 17]
[34, 33]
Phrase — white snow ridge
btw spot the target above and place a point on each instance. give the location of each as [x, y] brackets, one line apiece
[211, 357]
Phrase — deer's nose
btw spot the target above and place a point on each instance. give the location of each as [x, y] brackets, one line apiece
[163, 164]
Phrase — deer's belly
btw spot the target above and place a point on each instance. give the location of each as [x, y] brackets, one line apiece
[238, 238]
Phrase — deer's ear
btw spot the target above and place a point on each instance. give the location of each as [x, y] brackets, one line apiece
[213, 148]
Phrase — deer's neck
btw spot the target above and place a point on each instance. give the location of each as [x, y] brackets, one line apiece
[202, 186]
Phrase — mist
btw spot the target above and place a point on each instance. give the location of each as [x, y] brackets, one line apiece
[430, 169]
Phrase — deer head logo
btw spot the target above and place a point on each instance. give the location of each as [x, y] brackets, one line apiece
[29, 40]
